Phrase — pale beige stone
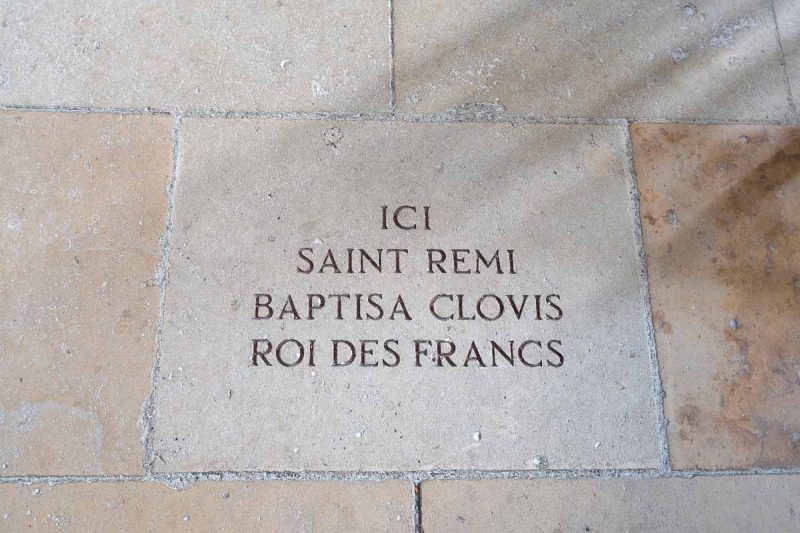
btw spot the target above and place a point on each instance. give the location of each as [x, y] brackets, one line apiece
[251, 193]
[746, 504]
[83, 205]
[208, 506]
[621, 58]
[307, 55]
[787, 13]
[721, 217]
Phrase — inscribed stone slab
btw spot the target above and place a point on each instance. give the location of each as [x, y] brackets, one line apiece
[261, 202]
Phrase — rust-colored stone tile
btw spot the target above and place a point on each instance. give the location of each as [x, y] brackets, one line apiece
[721, 217]
[82, 206]
[209, 506]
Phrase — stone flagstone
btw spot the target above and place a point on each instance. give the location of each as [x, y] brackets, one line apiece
[721, 216]
[400, 266]
[288, 506]
[263, 56]
[737, 503]
[715, 59]
[261, 202]
[83, 205]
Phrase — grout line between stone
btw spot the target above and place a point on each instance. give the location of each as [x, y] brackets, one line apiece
[658, 389]
[782, 59]
[392, 92]
[86, 109]
[181, 479]
[449, 116]
[162, 272]
[416, 498]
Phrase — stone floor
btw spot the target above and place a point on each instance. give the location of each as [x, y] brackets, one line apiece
[172, 173]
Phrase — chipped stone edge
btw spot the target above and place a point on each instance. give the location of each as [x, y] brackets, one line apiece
[652, 348]
[161, 277]
[461, 114]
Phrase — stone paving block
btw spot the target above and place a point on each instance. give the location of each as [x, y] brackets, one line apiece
[259, 201]
[263, 56]
[624, 58]
[787, 13]
[83, 205]
[721, 216]
[744, 503]
[208, 506]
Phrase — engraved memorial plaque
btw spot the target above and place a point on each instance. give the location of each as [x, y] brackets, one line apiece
[385, 296]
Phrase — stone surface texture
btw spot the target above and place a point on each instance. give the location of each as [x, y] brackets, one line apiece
[264, 56]
[83, 206]
[622, 58]
[161, 163]
[787, 13]
[559, 195]
[721, 216]
[735, 504]
[287, 506]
